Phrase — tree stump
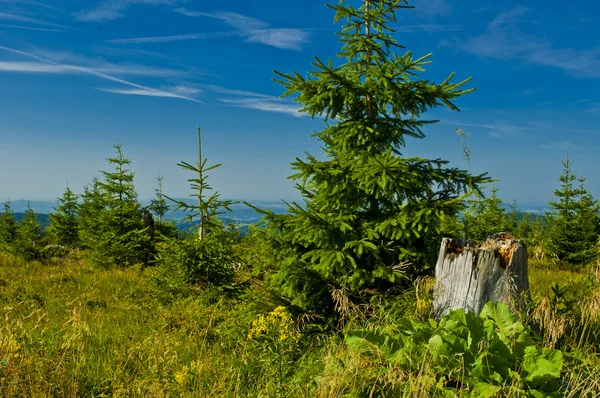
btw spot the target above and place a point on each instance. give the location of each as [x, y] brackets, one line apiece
[469, 274]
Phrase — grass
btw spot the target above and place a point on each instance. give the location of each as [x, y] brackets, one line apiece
[69, 330]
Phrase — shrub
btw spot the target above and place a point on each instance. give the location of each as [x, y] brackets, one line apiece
[29, 241]
[206, 262]
[490, 354]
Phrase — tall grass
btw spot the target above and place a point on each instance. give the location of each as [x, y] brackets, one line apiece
[68, 330]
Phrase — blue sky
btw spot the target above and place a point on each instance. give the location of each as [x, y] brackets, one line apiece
[76, 76]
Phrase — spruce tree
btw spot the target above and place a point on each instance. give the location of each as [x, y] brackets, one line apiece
[207, 208]
[29, 242]
[8, 226]
[64, 222]
[121, 236]
[207, 258]
[586, 222]
[158, 205]
[572, 223]
[92, 205]
[512, 218]
[371, 215]
[489, 218]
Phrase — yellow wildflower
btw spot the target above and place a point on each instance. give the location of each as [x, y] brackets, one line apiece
[182, 376]
[278, 323]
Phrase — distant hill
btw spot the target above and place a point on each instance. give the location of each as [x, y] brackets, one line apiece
[241, 215]
[20, 206]
[43, 218]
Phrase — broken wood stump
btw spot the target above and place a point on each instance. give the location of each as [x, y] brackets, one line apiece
[471, 273]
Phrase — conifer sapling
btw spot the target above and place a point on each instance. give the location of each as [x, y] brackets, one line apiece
[371, 215]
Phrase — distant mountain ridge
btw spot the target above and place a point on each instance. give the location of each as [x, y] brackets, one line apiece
[240, 214]
[240, 210]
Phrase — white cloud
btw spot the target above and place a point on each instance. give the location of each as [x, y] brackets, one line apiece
[290, 39]
[30, 28]
[121, 70]
[148, 92]
[577, 62]
[264, 105]
[233, 19]
[166, 39]
[92, 72]
[32, 3]
[240, 93]
[496, 129]
[109, 10]
[33, 67]
[257, 31]
[21, 18]
[505, 40]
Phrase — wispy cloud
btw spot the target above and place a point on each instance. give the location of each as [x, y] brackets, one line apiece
[496, 129]
[240, 93]
[504, 39]
[252, 100]
[32, 3]
[56, 67]
[166, 39]
[169, 92]
[119, 70]
[109, 10]
[33, 67]
[290, 39]
[4, 16]
[264, 105]
[30, 28]
[255, 30]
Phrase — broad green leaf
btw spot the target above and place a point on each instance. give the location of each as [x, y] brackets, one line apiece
[485, 390]
[541, 366]
[501, 321]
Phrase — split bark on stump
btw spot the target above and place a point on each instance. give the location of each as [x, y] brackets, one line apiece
[469, 274]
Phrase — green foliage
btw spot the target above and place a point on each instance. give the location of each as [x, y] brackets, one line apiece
[90, 209]
[64, 226]
[114, 233]
[208, 207]
[29, 241]
[489, 218]
[573, 222]
[490, 354]
[8, 226]
[158, 205]
[371, 216]
[208, 262]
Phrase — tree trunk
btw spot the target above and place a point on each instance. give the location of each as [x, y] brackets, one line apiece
[469, 274]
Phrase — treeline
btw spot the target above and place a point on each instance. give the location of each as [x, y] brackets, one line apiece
[106, 221]
[568, 234]
[112, 229]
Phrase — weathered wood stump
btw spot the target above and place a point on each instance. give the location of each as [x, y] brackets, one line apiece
[469, 274]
